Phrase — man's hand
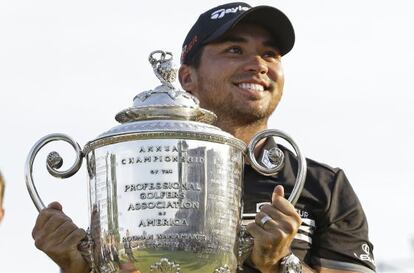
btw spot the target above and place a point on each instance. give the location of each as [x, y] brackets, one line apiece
[55, 234]
[273, 239]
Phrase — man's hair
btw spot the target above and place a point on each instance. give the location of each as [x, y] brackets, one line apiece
[2, 186]
[195, 60]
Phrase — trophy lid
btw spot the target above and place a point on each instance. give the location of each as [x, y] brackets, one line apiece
[164, 112]
[165, 101]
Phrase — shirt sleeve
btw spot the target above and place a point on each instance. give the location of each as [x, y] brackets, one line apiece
[341, 237]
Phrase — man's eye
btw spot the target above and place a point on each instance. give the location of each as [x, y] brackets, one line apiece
[234, 50]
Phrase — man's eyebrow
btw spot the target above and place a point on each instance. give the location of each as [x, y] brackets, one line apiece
[238, 39]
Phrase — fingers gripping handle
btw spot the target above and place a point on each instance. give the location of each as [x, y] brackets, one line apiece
[54, 162]
[276, 157]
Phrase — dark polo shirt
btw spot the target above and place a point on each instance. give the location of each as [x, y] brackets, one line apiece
[334, 230]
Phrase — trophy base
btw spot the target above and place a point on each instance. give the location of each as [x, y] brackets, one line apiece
[160, 261]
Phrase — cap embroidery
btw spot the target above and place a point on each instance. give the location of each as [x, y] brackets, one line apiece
[187, 48]
[220, 13]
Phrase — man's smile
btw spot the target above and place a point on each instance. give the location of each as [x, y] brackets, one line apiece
[251, 86]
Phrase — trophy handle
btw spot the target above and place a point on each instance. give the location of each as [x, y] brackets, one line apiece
[54, 162]
[276, 160]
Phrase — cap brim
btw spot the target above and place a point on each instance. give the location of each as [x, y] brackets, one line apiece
[272, 19]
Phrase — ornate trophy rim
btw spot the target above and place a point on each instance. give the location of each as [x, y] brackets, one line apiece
[202, 136]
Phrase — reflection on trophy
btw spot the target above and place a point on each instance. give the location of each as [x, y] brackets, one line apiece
[165, 186]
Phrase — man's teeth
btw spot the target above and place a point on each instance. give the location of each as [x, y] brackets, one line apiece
[251, 86]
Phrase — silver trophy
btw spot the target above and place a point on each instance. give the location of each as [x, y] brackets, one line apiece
[165, 186]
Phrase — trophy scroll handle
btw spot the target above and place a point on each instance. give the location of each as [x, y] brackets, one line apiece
[276, 158]
[274, 165]
[54, 162]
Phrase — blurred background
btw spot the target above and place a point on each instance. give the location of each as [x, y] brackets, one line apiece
[70, 66]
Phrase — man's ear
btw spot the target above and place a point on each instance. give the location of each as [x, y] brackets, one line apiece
[1, 213]
[188, 78]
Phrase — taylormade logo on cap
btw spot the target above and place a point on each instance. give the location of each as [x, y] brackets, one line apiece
[218, 14]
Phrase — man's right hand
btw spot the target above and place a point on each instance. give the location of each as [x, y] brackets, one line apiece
[56, 235]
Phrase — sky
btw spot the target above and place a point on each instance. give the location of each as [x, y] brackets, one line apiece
[70, 66]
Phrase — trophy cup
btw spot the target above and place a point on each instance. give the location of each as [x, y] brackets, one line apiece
[165, 186]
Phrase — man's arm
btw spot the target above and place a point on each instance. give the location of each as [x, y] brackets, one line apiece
[272, 240]
[56, 235]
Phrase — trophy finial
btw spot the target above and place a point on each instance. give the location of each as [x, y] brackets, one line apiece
[165, 101]
[162, 64]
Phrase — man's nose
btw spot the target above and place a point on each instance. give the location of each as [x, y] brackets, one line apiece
[256, 64]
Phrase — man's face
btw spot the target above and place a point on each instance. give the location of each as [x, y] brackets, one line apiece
[240, 77]
[1, 207]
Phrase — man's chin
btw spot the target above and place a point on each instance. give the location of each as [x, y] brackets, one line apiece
[248, 116]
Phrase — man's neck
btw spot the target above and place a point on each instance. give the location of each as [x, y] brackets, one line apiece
[244, 132]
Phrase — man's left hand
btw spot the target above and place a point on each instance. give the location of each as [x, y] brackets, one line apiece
[272, 239]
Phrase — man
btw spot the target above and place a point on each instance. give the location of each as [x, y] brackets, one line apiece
[1, 197]
[231, 61]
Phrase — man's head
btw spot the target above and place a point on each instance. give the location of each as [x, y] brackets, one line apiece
[2, 186]
[231, 61]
